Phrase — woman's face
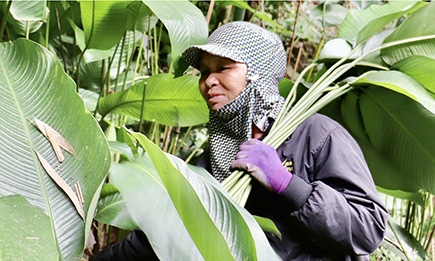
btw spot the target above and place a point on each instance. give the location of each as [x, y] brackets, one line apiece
[222, 79]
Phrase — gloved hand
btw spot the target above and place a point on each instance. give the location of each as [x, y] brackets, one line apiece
[262, 162]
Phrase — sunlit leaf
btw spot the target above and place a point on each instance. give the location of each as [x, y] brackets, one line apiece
[361, 24]
[29, 10]
[420, 68]
[170, 101]
[185, 23]
[400, 83]
[165, 187]
[418, 24]
[33, 84]
[104, 22]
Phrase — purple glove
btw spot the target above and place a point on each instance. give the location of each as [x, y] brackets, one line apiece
[262, 162]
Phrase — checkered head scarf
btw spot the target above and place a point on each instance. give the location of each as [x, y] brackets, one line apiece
[263, 53]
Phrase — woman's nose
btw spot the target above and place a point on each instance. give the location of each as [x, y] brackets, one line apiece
[211, 80]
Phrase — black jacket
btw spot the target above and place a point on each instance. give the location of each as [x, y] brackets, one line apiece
[330, 210]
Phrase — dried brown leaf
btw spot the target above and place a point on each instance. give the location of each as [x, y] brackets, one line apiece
[62, 184]
[57, 141]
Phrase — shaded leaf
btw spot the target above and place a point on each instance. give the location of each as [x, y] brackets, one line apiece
[408, 243]
[122, 149]
[262, 15]
[140, 18]
[414, 197]
[112, 209]
[19, 237]
[395, 136]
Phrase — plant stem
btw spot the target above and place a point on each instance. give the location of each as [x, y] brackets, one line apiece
[398, 240]
[5, 19]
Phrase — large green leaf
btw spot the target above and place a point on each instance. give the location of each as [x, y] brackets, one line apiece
[34, 85]
[395, 133]
[361, 24]
[185, 23]
[418, 24]
[188, 200]
[104, 22]
[150, 207]
[170, 101]
[415, 197]
[24, 231]
[393, 127]
[194, 214]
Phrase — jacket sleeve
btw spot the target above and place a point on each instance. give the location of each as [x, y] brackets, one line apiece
[336, 203]
[134, 247]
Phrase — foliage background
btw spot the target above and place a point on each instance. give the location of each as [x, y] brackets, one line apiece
[121, 58]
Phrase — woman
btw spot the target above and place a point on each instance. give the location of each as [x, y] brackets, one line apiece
[323, 198]
[326, 206]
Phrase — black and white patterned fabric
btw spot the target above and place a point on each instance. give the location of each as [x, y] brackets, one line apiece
[263, 53]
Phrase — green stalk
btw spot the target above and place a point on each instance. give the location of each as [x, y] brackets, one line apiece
[291, 98]
[232, 179]
[398, 240]
[292, 120]
[239, 187]
[245, 195]
[139, 59]
[47, 28]
[121, 54]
